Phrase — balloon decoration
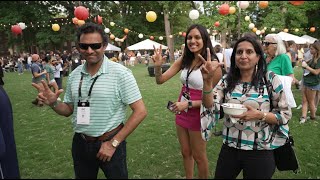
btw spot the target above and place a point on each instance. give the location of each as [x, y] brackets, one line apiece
[22, 25]
[81, 13]
[140, 36]
[251, 26]
[75, 20]
[112, 23]
[194, 14]
[286, 30]
[184, 34]
[55, 27]
[151, 16]
[16, 29]
[160, 38]
[273, 29]
[217, 24]
[99, 21]
[232, 10]
[263, 4]
[312, 29]
[126, 30]
[151, 37]
[247, 18]
[296, 3]
[224, 9]
[107, 30]
[243, 4]
[112, 36]
[81, 22]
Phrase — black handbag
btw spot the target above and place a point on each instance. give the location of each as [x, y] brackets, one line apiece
[285, 157]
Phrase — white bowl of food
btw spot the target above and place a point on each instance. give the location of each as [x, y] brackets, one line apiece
[233, 109]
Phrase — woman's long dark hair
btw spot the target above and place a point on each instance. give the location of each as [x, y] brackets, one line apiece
[188, 56]
[234, 75]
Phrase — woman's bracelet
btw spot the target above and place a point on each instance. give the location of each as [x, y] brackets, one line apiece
[207, 92]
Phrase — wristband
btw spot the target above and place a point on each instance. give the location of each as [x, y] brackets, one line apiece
[207, 92]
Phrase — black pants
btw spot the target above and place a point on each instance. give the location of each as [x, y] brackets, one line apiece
[256, 164]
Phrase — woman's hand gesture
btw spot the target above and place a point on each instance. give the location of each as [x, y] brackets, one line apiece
[46, 95]
[208, 67]
[157, 56]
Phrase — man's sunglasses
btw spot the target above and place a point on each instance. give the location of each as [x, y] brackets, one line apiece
[267, 43]
[93, 46]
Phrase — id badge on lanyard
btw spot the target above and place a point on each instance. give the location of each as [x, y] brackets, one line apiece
[83, 113]
[83, 109]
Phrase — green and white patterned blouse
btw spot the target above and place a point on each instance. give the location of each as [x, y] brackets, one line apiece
[250, 135]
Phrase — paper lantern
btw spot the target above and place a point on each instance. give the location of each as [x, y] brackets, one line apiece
[296, 3]
[75, 20]
[258, 32]
[296, 30]
[98, 19]
[170, 36]
[243, 4]
[273, 29]
[22, 25]
[81, 13]
[180, 33]
[55, 27]
[263, 4]
[224, 9]
[286, 30]
[247, 18]
[184, 34]
[232, 10]
[312, 29]
[194, 14]
[116, 39]
[262, 31]
[265, 28]
[112, 36]
[107, 30]
[160, 38]
[151, 37]
[112, 23]
[140, 36]
[126, 30]
[251, 26]
[254, 29]
[217, 24]
[151, 16]
[16, 29]
[81, 22]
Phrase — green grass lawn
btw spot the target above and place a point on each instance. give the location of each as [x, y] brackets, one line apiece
[44, 138]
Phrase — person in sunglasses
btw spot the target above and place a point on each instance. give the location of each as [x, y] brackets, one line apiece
[97, 96]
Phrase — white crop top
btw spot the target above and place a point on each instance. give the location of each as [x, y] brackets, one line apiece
[195, 80]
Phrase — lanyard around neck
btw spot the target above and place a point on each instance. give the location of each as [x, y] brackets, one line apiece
[188, 74]
[80, 84]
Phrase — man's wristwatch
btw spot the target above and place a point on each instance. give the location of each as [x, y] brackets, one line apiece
[189, 104]
[115, 143]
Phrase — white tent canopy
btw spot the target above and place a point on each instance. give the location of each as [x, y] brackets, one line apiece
[146, 45]
[290, 37]
[112, 47]
[309, 38]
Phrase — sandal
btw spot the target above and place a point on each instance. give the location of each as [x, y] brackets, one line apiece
[302, 120]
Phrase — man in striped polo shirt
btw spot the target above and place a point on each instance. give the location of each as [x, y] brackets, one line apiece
[97, 96]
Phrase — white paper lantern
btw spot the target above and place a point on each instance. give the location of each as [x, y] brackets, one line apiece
[258, 32]
[194, 14]
[296, 30]
[140, 36]
[247, 18]
[171, 36]
[251, 26]
[22, 25]
[243, 4]
[160, 38]
[265, 28]
[112, 23]
[262, 31]
[273, 29]
[107, 30]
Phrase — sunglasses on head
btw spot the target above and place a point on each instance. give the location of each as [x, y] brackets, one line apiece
[267, 43]
[93, 46]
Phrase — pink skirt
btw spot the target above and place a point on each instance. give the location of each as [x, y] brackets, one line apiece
[191, 119]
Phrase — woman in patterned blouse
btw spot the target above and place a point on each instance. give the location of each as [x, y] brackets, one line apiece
[248, 143]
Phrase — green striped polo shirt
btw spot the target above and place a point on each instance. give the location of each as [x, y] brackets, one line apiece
[114, 89]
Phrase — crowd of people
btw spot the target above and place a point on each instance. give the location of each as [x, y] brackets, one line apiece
[256, 74]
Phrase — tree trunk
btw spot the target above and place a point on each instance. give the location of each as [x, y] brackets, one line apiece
[168, 33]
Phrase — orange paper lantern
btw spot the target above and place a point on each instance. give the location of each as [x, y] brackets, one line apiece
[112, 36]
[254, 29]
[286, 30]
[126, 30]
[232, 10]
[75, 20]
[263, 4]
[184, 34]
[55, 27]
[81, 22]
[151, 37]
[81, 13]
[16, 29]
[312, 29]
[296, 3]
[151, 16]
[224, 9]
[217, 24]
[98, 19]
